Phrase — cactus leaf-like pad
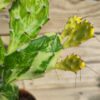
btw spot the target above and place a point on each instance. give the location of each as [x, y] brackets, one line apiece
[26, 19]
[35, 57]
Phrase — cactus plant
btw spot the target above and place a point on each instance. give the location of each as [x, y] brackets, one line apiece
[30, 55]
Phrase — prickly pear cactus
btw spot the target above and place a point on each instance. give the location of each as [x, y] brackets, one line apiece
[4, 3]
[29, 56]
[26, 19]
[77, 31]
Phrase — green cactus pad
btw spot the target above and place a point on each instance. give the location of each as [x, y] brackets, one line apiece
[26, 19]
[33, 59]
